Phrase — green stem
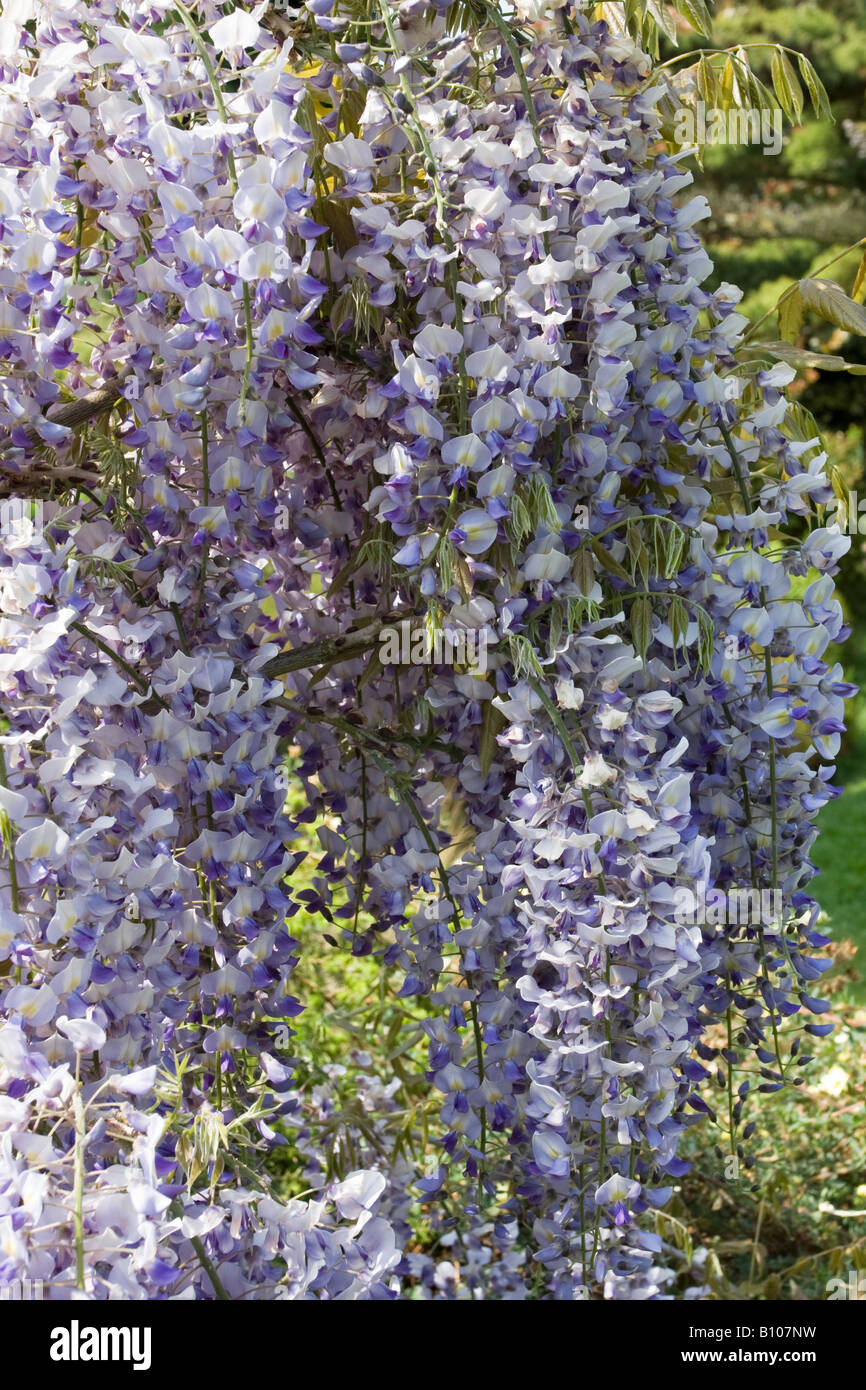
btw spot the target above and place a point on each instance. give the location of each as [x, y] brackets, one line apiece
[205, 486]
[519, 71]
[8, 838]
[320, 453]
[78, 1178]
[118, 660]
[731, 1148]
[79, 241]
[203, 1258]
[248, 353]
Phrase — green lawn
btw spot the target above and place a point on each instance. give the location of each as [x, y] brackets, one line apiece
[840, 850]
[840, 854]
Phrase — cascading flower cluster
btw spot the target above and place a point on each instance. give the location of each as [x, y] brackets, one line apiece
[303, 333]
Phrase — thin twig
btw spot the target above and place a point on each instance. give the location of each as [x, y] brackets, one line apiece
[344, 647]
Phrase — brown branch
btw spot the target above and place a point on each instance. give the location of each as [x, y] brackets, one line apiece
[82, 408]
[37, 478]
[344, 647]
[43, 480]
[85, 407]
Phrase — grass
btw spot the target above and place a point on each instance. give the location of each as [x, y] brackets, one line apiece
[840, 855]
[839, 852]
[797, 1218]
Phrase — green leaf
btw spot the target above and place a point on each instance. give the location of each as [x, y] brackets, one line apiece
[583, 571]
[839, 486]
[661, 19]
[557, 722]
[341, 310]
[308, 120]
[800, 424]
[520, 524]
[761, 98]
[790, 311]
[351, 108]
[707, 82]
[646, 36]
[556, 628]
[828, 299]
[493, 721]
[641, 623]
[728, 86]
[816, 89]
[673, 552]
[524, 657]
[632, 15]
[638, 554]
[608, 561]
[678, 620]
[706, 640]
[336, 218]
[787, 87]
[803, 359]
[697, 14]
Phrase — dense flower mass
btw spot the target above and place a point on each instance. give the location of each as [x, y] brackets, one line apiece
[308, 326]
